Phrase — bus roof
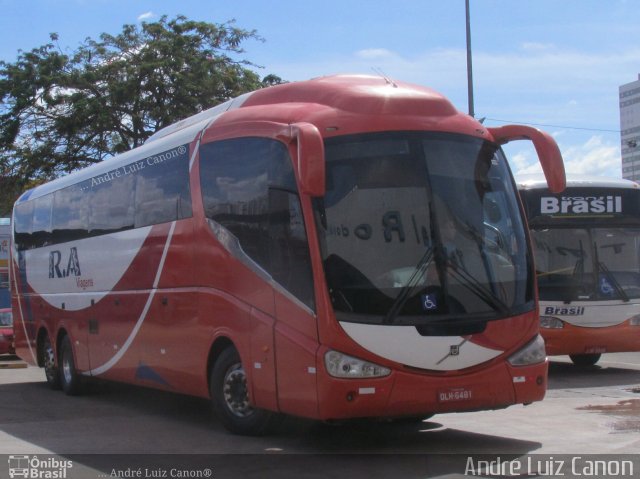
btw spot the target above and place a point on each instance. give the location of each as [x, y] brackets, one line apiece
[533, 182]
[336, 105]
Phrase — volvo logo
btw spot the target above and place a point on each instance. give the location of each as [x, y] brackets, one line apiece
[454, 350]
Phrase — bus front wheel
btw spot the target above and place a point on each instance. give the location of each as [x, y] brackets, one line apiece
[585, 359]
[230, 398]
[69, 377]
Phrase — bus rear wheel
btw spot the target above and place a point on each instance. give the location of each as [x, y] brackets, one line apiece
[69, 377]
[49, 363]
[230, 398]
[585, 359]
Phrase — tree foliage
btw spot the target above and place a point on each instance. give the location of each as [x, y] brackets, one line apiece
[63, 111]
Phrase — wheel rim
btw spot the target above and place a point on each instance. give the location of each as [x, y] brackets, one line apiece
[234, 390]
[49, 361]
[67, 369]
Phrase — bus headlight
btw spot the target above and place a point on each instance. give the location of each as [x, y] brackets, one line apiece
[635, 320]
[342, 366]
[551, 322]
[532, 353]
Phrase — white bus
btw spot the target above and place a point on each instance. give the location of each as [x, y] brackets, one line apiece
[586, 242]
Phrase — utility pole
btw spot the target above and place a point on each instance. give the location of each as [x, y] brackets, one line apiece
[469, 63]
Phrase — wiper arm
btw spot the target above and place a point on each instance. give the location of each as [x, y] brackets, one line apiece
[472, 284]
[614, 282]
[473, 231]
[402, 298]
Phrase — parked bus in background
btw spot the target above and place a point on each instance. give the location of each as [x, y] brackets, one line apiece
[6, 322]
[294, 250]
[586, 242]
[5, 236]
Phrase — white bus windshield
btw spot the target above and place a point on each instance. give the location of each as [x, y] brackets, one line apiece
[421, 227]
[587, 264]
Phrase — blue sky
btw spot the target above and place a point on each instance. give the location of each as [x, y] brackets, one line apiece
[544, 62]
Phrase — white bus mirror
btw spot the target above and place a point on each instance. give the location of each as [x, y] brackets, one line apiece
[546, 148]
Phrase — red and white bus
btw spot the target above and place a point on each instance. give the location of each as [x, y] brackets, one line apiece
[586, 244]
[293, 251]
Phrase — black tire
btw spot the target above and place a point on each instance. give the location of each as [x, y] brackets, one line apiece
[230, 398]
[584, 360]
[49, 363]
[69, 377]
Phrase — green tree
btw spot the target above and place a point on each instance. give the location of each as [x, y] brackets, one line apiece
[63, 111]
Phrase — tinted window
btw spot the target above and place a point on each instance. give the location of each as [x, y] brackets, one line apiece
[23, 219]
[290, 264]
[235, 185]
[41, 229]
[112, 206]
[70, 214]
[248, 186]
[422, 228]
[162, 191]
[5, 298]
[146, 192]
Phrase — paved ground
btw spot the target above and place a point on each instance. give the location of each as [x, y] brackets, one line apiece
[586, 411]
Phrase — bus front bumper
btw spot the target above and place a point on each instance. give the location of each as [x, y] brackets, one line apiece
[415, 393]
[572, 339]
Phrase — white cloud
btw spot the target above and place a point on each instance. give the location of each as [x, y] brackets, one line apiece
[595, 157]
[374, 53]
[535, 46]
[146, 16]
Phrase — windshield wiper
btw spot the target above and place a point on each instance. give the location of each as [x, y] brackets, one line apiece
[472, 284]
[609, 275]
[477, 237]
[418, 272]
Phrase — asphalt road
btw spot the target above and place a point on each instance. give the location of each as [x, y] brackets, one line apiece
[117, 430]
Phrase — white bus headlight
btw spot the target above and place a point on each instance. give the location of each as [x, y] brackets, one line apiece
[532, 353]
[635, 320]
[551, 322]
[342, 366]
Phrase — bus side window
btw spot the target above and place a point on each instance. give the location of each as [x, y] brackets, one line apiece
[233, 176]
[41, 232]
[111, 206]
[289, 260]
[248, 186]
[290, 263]
[70, 215]
[162, 193]
[23, 220]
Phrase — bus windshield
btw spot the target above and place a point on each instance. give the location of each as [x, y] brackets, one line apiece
[587, 264]
[420, 227]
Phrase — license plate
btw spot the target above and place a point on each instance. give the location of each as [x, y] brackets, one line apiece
[455, 395]
[595, 350]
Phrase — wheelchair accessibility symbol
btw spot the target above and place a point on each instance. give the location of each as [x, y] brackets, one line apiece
[429, 302]
[605, 286]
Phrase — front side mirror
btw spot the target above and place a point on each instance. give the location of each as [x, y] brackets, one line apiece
[310, 161]
[546, 148]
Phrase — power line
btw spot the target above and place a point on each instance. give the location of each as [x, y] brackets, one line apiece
[555, 126]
